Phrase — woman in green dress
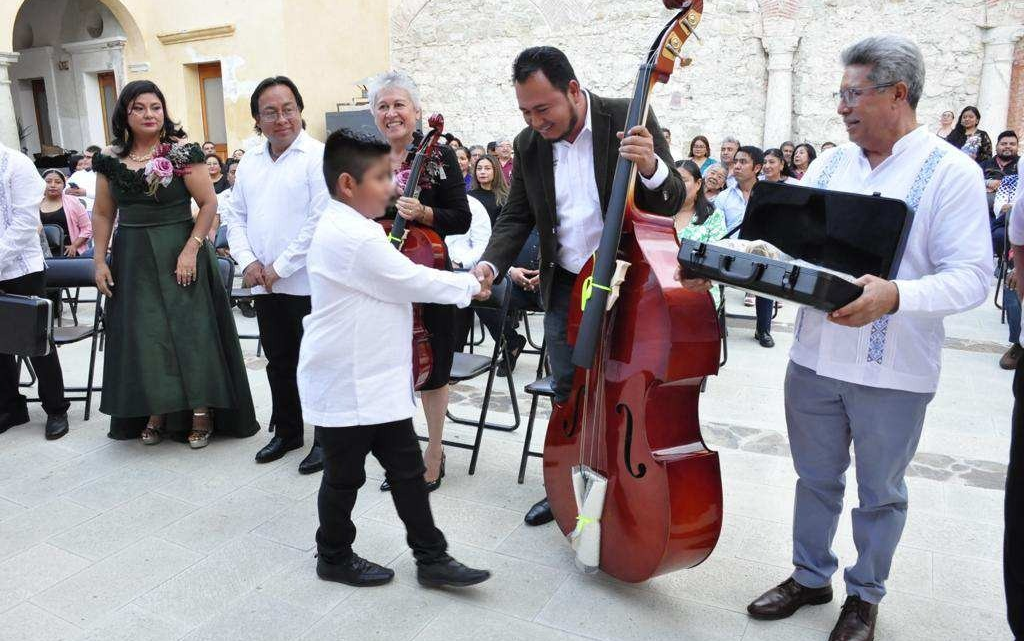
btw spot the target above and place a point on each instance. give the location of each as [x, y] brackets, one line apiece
[698, 219]
[172, 365]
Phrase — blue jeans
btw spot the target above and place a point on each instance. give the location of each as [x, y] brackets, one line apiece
[823, 416]
[1011, 303]
[556, 321]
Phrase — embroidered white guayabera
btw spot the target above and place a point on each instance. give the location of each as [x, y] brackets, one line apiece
[946, 266]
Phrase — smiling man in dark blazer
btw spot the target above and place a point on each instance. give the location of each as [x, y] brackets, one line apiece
[561, 181]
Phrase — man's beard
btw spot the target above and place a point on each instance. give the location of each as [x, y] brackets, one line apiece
[1007, 155]
[574, 120]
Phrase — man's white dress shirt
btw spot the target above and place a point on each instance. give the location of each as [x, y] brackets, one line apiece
[577, 200]
[86, 179]
[355, 363]
[21, 190]
[273, 209]
[946, 267]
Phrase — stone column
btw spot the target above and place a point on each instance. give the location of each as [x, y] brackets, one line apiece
[8, 121]
[778, 107]
[996, 68]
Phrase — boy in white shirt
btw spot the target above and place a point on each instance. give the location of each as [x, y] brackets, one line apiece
[355, 366]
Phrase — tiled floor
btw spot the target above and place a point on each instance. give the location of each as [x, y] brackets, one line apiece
[106, 540]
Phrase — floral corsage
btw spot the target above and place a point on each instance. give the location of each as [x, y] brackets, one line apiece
[169, 160]
[431, 175]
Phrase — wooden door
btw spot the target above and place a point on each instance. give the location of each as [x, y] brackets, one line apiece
[211, 94]
[108, 100]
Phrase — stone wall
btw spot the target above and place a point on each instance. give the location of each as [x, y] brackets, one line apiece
[461, 53]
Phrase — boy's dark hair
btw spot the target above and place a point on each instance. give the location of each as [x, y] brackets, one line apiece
[348, 152]
[755, 153]
[93, 149]
[550, 61]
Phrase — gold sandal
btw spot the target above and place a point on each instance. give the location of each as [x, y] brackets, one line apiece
[202, 428]
[153, 433]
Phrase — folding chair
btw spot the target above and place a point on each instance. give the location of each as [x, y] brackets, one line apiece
[77, 272]
[55, 239]
[723, 329]
[525, 313]
[469, 366]
[543, 386]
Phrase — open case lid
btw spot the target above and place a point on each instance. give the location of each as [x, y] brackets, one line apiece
[850, 233]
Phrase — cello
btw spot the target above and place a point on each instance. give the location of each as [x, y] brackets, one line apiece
[628, 476]
[422, 245]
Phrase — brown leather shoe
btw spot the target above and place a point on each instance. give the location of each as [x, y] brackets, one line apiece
[1011, 357]
[856, 622]
[786, 598]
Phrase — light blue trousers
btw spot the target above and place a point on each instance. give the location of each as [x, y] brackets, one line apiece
[824, 416]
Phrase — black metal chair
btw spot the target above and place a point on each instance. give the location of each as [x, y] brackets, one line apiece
[55, 239]
[542, 387]
[723, 329]
[77, 272]
[469, 366]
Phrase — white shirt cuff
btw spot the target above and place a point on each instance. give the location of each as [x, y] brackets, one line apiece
[659, 177]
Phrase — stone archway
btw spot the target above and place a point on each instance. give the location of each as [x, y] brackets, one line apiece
[68, 61]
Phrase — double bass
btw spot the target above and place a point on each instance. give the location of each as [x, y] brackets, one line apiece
[629, 478]
[422, 245]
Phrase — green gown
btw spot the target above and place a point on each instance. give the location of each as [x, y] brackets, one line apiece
[169, 349]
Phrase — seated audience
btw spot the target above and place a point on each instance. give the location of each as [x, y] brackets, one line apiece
[465, 165]
[216, 169]
[715, 177]
[68, 213]
[489, 185]
[700, 152]
[775, 168]
[82, 182]
[803, 156]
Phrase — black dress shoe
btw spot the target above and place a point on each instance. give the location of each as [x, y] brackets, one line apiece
[314, 461]
[515, 349]
[786, 598]
[56, 426]
[13, 419]
[540, 513]
[356, 571]
[856, 621]
[765, 339]
[276, 448]
[449, 573]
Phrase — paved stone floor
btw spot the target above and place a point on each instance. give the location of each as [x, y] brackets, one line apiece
[106, 540]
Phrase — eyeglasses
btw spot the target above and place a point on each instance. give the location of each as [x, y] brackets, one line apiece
[272, 115]
[852, 95]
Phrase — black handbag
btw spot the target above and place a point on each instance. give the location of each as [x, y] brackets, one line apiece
[26, 325]
[841, 232]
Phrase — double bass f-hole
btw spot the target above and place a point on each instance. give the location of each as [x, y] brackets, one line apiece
[627, 450]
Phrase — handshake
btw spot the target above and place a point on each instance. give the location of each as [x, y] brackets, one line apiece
[485, 276]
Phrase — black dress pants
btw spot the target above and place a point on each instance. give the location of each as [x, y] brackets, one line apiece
[764, 307]
[396, 448]
[1013, 541]
[51, 379]
[280, 321]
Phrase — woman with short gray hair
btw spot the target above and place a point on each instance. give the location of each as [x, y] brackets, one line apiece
[440, 204]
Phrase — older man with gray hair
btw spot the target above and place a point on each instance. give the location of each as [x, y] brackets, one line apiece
[865, 373]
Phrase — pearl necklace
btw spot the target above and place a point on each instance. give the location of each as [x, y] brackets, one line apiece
[145, 158]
